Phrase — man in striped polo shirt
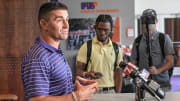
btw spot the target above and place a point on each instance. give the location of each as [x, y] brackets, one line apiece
[45, 72]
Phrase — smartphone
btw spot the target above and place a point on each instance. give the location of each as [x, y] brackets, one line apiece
[98, 74]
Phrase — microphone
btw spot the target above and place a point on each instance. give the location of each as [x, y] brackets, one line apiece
[133, 71]
[150, 85]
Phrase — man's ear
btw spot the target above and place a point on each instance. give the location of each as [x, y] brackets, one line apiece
[43, 24]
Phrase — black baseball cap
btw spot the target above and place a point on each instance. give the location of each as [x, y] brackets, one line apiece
[149, 12]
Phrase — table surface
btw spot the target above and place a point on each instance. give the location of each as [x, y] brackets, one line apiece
[170, 96]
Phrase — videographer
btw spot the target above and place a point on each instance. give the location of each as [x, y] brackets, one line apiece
[153, 50]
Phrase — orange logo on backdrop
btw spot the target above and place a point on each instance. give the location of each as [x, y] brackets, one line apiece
[90, 7]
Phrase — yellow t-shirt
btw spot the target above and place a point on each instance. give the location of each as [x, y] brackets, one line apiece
[102, 60]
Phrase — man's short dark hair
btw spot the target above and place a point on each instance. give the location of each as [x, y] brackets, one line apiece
[104, 18]
[48, 7]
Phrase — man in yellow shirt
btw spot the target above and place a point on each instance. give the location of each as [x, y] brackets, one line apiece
[102, 58]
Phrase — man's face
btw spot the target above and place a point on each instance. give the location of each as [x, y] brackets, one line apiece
[151, 27]
[103, 30]
[57, 24]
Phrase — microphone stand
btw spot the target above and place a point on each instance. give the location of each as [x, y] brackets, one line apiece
[148, 44]
[140, 92]
[141, 86]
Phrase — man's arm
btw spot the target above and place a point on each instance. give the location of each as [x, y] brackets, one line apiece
[68, 97]
[118, 80]
[167, 65]
[84, 92]
[80, 69]
[164, 67]
[118, 73]
[80, 96]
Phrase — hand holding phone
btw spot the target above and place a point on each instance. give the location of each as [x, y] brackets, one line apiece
[98, 75]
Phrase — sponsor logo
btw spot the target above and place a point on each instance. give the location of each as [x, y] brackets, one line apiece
[88, 5]
[91, 7]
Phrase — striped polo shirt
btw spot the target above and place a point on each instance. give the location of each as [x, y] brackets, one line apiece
[45, 71]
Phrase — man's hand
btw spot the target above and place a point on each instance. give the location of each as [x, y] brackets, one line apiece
[85, 82]
[93, 75]
[153, 70]
[86, 89]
